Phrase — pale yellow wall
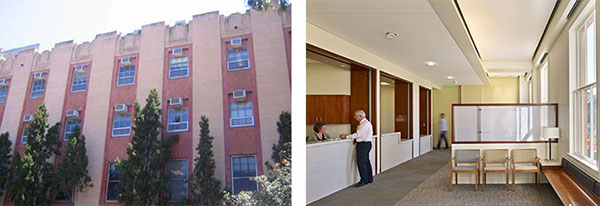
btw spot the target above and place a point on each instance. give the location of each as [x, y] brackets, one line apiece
[501, 90]
[96, 114]
[272, 78]
[442, 101]
[387, 109]
[207, 85]
[327, 79]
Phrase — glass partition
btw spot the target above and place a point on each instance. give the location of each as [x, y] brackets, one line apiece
[501, 122]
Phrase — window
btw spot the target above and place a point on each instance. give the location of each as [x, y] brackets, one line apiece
[177, 172]
[544, 83]
[79, 82]
[178, 120]
[121, 125]
[241, 114]
[237, 59]
[178, 68]
[69, 127]
[244, 170]
[583, 88]
[126, 75]
[24, 135]
[3, 94]
[113, 180]
[61, 196]
[37, 90]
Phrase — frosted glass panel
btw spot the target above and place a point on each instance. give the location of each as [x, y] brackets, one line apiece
[502, 123]
[468, 129]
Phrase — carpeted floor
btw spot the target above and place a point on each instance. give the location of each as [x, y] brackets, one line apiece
[435, 191]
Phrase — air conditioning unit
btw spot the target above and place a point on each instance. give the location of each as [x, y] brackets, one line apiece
[239, 94]
[28, 118]
[120, 108]
[236, 42]
[80, 69]
[3, 82]
[38, 75]
[126, 60]
[178, 52]
[178, 101]
[72, 113]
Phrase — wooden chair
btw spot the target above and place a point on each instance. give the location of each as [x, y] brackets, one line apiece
[495, 161]
[525, 161]
[470, 157]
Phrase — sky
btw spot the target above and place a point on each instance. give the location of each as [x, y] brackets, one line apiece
[47, 22]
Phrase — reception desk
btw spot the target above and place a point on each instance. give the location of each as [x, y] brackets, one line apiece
[331, 166]
[395, 150]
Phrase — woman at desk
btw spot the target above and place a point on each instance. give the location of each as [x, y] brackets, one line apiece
[320, 133]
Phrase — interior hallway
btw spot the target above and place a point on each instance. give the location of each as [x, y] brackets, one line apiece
[424, 181]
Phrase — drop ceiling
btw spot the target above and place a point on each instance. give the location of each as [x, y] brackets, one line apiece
[421, 35]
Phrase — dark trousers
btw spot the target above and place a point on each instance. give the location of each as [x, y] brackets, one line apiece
[442, 137]
[362, 160]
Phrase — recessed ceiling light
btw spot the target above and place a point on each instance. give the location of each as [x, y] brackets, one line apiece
[385, 83]
[342, 65]
[450, 77]
[391, 35]
[430, 63]
[455, 82]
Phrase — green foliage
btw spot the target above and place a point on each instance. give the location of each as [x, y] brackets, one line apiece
[283, 150]
[5, 157]
[264, 5]
[205, 189]
[142, 182]
[33, 173]
[73, 169]
[274, 191]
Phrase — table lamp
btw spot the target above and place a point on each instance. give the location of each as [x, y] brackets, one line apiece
[550, 133]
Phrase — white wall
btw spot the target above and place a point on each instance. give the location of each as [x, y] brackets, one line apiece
[394, 150]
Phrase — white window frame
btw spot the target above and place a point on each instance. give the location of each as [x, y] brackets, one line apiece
[233, 177]
[544, 82]
[231, 118]
[119, 76]
[73, 85]
[118, 128]
[247, 59]
[175, 123]
[23, 135]
[108, 181]
[40, 91]
[576, 89]
[3, 95]
[187, 62]
[68, 133]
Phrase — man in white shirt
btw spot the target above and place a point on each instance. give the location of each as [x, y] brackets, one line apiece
[443, 130]
[363, 137]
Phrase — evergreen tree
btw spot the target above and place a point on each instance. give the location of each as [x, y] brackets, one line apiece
[142, 182]
[283, 149]
[205, 189]
[73, 169]
[33, 173]
[5, 156]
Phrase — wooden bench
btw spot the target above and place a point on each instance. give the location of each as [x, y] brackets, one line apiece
[568, 189]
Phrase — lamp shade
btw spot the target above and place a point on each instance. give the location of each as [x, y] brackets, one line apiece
[550, 133]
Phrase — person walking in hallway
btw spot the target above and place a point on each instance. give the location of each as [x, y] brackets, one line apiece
[443, 130]
[363, 138]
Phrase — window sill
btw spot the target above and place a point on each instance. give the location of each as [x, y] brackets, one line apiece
[583, 162]
[77, 91]
[128, 84]
[173, 131]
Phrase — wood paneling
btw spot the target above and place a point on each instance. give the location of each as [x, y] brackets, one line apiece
[330, 109]
[403, 108]
[424, 111]
[359, 93]
[568, 189]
